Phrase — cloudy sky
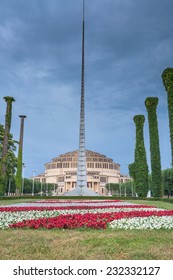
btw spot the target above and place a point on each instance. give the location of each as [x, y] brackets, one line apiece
[128, 44]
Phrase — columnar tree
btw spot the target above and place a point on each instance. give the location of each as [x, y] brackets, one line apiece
[167, 77]
[11, 160]
[140, 172]
[3, 165]
[3, 162]
[151, 106]
[18, 180]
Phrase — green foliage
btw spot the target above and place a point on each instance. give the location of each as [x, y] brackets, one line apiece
[11, 160]
[128, 188]
[167, 181]
[167, 77]
[9, 101]
[28, 184]
[132, 170]
[113, 187]
[122, 189]
[4, 156]
[3, 183]
[139, 169]
[151, 105]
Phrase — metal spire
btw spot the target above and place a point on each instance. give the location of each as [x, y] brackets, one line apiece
[81, 168]
[81, 184]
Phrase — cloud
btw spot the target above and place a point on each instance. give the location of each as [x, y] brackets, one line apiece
[127, 46]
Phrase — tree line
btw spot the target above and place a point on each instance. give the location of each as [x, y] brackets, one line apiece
[129, 188]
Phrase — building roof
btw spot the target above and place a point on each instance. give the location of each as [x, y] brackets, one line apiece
[89, 156]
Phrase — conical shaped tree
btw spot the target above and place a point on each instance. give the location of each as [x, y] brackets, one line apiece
[18, 179]
[151, 106]
[167, 77]
[140, 168]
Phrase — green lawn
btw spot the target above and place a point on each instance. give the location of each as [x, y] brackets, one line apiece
[86, 244]
[18, 244]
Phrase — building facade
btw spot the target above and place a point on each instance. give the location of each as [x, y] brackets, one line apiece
[101, 170]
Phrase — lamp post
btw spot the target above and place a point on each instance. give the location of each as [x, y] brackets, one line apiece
[47, 189]
[132, 187]
[120, 187]
[41, 187]
[23, 165]
[109, 193]
[9, 186]
[33, 173]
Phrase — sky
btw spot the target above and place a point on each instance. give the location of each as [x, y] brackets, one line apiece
[128, 44]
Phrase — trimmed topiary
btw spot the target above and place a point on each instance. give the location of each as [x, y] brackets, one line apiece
[151, 106]
[3, 164]
[139, 169]
[167, 77]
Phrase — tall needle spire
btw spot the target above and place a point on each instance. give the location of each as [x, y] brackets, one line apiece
[81, 168]
[81, 184]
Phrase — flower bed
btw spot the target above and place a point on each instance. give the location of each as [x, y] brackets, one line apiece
[86, 214]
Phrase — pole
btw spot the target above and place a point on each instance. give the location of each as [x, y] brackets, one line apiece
[120, 188]
[33, 183]
[47, 189]
[9, 186]
[132, 188]
[41, 187]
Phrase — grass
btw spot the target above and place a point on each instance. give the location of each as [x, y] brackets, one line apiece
[158, 204]
[17, 201]
[86, 244]
[27, 244]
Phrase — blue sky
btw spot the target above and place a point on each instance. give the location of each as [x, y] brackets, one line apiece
[128, 44]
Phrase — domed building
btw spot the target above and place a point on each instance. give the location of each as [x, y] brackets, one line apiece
[101, 170]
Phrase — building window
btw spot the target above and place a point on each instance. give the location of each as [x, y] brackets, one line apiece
[66, 165]
[90, 165]
[105, 165]
[110, 166]
[60, 179]
[74, 165]
[59, 165]
[102, 179]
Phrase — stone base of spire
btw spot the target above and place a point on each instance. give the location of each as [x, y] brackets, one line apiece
[81, 191]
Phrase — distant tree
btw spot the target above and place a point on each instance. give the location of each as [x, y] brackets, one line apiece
[151, 105]
[167, 77]
[128, 188]
[113, 187]
[167, 181]
[28, 183]
[139, 170]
